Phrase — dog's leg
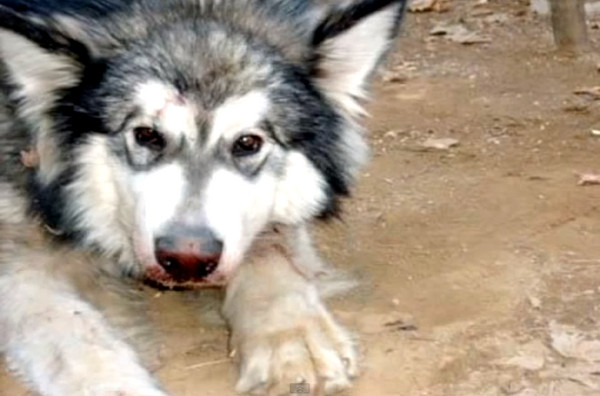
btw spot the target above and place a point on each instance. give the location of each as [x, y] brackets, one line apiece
[284, 336]
[58, 343]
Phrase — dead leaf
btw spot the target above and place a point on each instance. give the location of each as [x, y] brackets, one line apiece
[458, 33]
[30, 158]
[535, 302]
[378, 323]
[401, 325]
[592, 93]
[585, 374]
[429, 5]
[482, 12]
[394, 76]
[572, 343]
[391, 134]
[588, 179]
[442, 29]
[440, 144]
[497, 18]
[580, 106]
[531, 357]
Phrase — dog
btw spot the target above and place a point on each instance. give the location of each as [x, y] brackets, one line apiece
[182, 144]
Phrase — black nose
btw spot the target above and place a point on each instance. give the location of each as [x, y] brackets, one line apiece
[188, 254]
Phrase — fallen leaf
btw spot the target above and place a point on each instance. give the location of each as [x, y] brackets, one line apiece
[378, 323]
[442, 29]
[592, 93]
[440, 144]
[482, 12]
[531, 357]
[30, 158]
[541, 7]
[394, 76]
[391, 134]
[582, 106]
[585, 374]
[535, 302]
[458, 33]
[429, 5]
[572, 343]
[588, 179]
[498, 18]
[530, 363]
[401, 325]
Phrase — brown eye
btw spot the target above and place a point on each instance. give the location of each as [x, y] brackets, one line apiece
[150, 138]
[247, 145]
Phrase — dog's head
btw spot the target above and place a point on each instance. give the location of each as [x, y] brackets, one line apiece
[172, 137]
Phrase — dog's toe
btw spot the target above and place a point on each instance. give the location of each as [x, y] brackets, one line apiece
[254, 370]
[317, 357]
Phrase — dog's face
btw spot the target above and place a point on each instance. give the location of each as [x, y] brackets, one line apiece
[182, 145]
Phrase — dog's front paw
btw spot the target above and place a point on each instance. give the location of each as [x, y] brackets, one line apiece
[112, 386]
[137, 392]
[296, 347]
[129, 391]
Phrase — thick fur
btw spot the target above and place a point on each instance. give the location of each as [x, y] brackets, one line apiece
[83, 202]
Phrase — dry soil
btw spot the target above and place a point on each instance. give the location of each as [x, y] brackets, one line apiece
[479, 265]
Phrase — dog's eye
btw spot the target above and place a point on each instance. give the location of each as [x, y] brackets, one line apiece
[150, 138]
[247, 145]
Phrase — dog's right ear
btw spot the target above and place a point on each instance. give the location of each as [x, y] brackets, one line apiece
[41, 56]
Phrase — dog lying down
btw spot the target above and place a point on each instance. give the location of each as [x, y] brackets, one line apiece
[274, 312]
[179, 144]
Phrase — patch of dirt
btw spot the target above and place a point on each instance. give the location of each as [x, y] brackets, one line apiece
[479, 260]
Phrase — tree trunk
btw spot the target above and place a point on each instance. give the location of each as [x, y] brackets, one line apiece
[569, 25]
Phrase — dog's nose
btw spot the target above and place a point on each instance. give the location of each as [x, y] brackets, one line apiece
[188, 254]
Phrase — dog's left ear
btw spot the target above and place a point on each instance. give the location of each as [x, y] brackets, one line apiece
[349, 44]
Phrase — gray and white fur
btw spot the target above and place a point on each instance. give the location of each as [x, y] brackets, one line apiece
[163, 142]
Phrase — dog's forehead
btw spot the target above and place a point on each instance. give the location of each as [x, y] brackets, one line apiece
[172, 112]
[153, 96]
[238, 114]
[164, 108]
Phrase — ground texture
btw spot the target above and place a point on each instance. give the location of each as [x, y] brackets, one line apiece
[479, 264]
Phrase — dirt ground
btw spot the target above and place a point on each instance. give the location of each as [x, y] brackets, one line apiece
[479, 265]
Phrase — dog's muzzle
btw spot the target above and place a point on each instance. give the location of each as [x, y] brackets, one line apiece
[188, 254]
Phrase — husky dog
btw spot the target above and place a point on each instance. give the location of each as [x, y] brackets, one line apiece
[181, 143]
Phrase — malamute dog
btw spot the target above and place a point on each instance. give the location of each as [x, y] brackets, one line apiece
[182, 143]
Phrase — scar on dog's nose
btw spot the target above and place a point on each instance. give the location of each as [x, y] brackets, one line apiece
[194, 255]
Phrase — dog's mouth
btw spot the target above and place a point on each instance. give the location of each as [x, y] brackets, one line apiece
[182, 273]
[156, 276]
